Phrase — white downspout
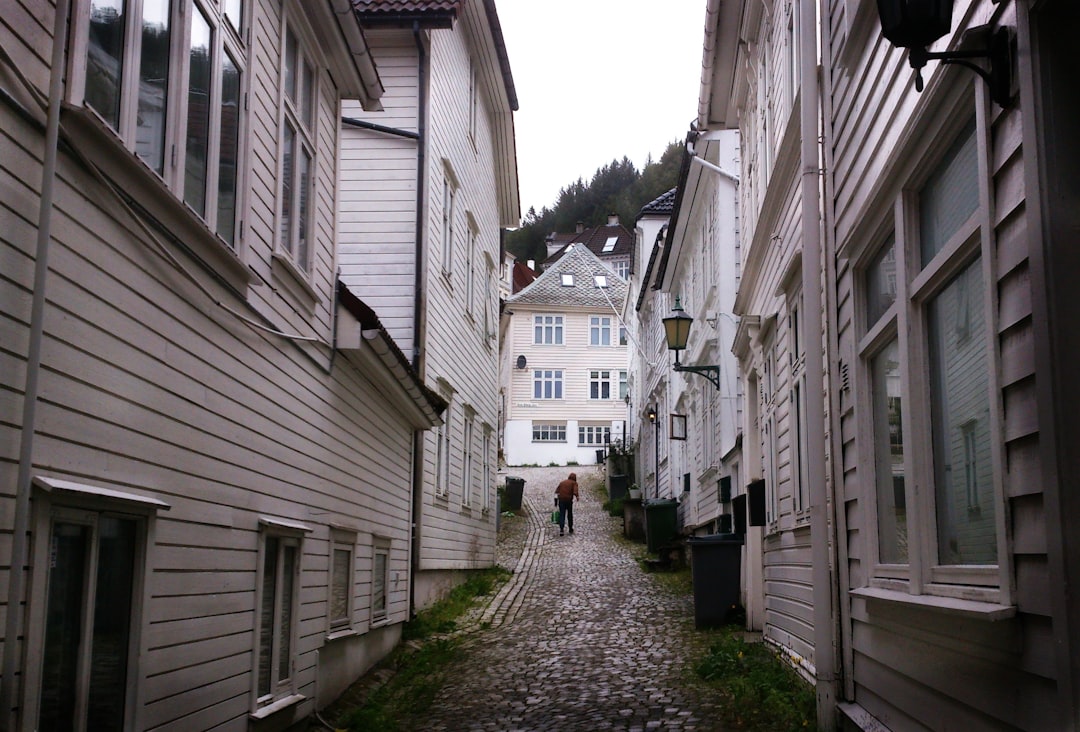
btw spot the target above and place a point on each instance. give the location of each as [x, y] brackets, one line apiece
[824, 652]
[16, 579]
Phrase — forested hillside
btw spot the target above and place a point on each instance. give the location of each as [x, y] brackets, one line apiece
[618, 188]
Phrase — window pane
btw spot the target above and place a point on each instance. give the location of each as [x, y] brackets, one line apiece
[233, 10]
[889, 456]
[112, 624]
[266, 614]
[881, 283]
[198, 114]
[63, 626]
[950, 196]
[153, 83]
[104, 58]
[960, 406]
[339, 592]
[291, 51]
[307, 104]
[378, 585]
[288, 148]
[230, 138]
[302, 213]
[288, 575]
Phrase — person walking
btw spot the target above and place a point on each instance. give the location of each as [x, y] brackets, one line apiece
[566, 493]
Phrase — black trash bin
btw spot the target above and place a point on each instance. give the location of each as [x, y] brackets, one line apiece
[661, 522]
[600, 457]
[618, 487]
[512, 495]
[714, 563]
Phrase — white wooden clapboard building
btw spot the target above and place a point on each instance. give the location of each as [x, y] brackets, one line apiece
[427, 186]
[206, 445]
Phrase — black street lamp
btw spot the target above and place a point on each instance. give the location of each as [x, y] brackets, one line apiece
[677, 331]
[916, 24]
[650, 414]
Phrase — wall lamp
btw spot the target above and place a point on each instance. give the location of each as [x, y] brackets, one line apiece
[916, 24]
[650, 414]
[677, 330]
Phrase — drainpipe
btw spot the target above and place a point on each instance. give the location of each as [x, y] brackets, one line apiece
[418, 302]
[21, 524]
[824, 652]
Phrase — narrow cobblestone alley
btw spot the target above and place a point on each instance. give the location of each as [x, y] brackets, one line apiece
[579, 639]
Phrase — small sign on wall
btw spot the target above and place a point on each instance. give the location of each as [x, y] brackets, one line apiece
[678, 426]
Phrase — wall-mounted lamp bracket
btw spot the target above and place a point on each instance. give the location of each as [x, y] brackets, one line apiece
[997, 50]
[712, 373]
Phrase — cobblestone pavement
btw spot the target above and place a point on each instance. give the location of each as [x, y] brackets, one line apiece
[579, 639]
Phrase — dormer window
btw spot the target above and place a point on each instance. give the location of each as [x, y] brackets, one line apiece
[568, 280]
[601, 280]
[609, 245]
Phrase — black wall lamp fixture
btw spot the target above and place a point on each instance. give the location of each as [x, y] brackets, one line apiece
[916, 24]
[677, 330]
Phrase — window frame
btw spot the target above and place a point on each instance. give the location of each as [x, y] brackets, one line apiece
[599, 381]
[544, 377]
[289, 535]
[341, 540]
[542, 328]
[226, 39]
[380, 546]
[924, 579]
[55, 498]
[593, 434]
[599, 331]
[552, 429]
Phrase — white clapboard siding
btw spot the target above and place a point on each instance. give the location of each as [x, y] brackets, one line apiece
[916, 666]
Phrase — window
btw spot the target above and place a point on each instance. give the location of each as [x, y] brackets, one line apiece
[567, 280]
[474, 100]
[448, 201]
[548, 330]
[927, 353]
[797, 434]
[467, 463]
[624, 387]
[622, 269]
[609, 245]
[278, 616]
[599, 331]
[601, 280]
[93, 561]
[297, 151]
[442, 455]
[599, 385]
[486, 479]
[547, 384]
[548, 432]
[341, 578]
[140, 54]
[594, 434]
[380, 580]
[623, 340]
[470, 267]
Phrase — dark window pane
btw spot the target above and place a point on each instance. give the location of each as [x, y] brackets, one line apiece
[112, 624]
[198, 114]
[339, 592]
[881, 283]
[227, 156]
[302, 259]
[889, 456]
[950, 196]
[105, 58]
[266, 614]
[288, 143]
[153, 83]
[288, 576]
[63, 626]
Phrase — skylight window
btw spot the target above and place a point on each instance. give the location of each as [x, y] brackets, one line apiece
[601, 280]
[609, 245]
[568, 280]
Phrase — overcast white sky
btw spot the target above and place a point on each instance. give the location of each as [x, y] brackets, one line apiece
[597, 80]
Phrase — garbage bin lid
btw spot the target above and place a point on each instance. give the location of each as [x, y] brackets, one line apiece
[716, 539]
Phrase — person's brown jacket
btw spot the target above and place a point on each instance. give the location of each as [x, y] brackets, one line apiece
[568, 489]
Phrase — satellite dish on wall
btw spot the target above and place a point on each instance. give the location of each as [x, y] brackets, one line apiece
[521, 362]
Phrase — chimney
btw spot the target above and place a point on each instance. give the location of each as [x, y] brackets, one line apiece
[613, 219]
[580, 227]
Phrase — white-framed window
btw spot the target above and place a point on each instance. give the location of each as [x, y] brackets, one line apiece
[449, 204]
[168, 78]
[549, 432]
[624, 385]
[485, 500]
[342, 579]
[599, 330]
[467, 462]
[442, 454]
[622, 269]
[623, 336]
[474, 101]
[567, 279]
[769, 444]
[297, 181]
[800, 488]
[548, 330]
[594, 434]
[927, 381]
[471, 265]
[380, 580]
[278, 618]
[599, 385]
[547, 384]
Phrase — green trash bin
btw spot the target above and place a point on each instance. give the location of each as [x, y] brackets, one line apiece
[714, 566]
[661, 518]
[512, 495]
